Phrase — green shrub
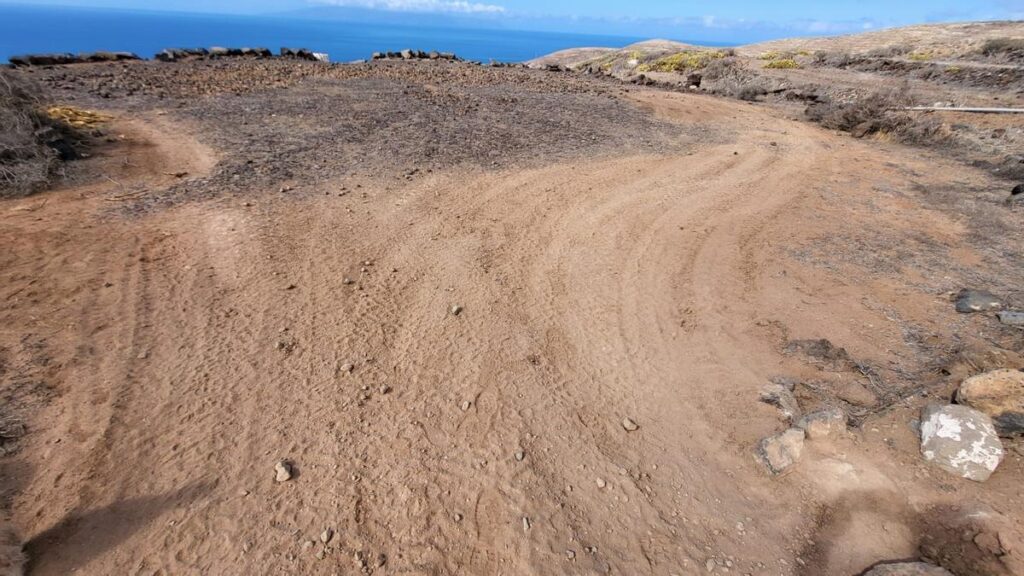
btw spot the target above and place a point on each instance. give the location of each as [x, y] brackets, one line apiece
[785, 64]
[685, 60]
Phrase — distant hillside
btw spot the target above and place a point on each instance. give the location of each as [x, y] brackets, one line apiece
[575, 57]
[941, 39]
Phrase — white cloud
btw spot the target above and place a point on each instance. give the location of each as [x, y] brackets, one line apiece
[460, 6]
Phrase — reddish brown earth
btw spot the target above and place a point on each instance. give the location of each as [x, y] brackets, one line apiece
[166, 348]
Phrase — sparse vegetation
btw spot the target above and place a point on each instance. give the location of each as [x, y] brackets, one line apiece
[784, 64]
[921, 56]
[685, 60]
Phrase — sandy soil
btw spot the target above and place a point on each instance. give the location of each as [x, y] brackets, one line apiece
[165, 355]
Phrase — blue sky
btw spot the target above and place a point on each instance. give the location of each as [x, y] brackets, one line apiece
[719, 20]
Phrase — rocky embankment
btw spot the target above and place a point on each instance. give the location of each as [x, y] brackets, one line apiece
[165, 55]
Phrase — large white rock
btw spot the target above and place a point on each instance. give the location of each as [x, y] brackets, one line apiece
[960, 440]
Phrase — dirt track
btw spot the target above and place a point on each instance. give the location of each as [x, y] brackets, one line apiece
[186, 350]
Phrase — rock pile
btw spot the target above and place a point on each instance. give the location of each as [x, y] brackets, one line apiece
[165, 55]
[416, 55]
[175, 54]
[303, 54]
[781, 451]
[68, 58]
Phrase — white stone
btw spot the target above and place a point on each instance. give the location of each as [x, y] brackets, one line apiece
[960, 440]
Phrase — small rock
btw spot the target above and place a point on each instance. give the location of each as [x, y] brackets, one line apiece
[570, 554]
[456, 310]
[526, 524]
[457, 517]
[968, 301]
[520, 455]
[601, 483]
[907, 569]
[346, 280]
[321, 553]
[960, 440]
[283, 471]
[1011, 317]
[710, 565]
[384, 388]
[1000, 395]
[466, 405]
[823, 423]
[629, 425]
[782, 398]
[782, 450]
[327, 535]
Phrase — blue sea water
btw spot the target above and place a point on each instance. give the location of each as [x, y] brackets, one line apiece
[33, 29]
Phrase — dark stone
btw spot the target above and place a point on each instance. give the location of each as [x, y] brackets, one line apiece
[968, 301]
[174, 54]
[1017, 190]
[44, 59]
[63, 148]
[104, 56]
[300, 53]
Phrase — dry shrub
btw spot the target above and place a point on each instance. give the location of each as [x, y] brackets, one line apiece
[880, 113]
[837, 59]
[889, 51]
[27, 155]
[722, 68]
[1012, 48]
[749, 92]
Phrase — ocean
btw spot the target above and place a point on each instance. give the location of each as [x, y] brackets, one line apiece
[34, 29]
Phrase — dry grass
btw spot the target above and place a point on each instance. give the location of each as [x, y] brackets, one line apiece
[26, 162]
[76, 116]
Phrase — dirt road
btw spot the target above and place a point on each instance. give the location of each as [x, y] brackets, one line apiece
[188, 350]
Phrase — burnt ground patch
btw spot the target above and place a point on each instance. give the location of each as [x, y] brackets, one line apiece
[305, 123]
